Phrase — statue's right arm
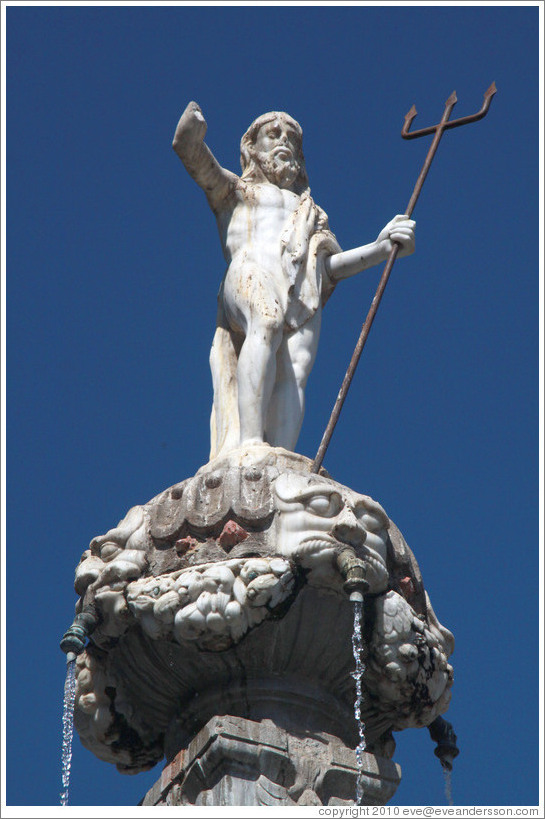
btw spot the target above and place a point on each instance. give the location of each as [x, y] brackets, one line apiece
[198, 159]
[400, 230]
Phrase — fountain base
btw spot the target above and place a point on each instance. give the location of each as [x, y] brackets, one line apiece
[234, 761]
[221, 626]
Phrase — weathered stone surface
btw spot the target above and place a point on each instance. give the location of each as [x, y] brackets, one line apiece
[189, 628]
[235, 761]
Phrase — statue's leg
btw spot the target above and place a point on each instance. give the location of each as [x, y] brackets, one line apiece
[251, 307]
[295, 360]
[224, 421]
[256, 374]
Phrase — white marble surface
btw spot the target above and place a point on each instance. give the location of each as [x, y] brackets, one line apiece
[231, 575]
[316, 515]
[214, 604]
[283, 262]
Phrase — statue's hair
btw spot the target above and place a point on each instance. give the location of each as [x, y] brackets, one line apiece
[251, 172]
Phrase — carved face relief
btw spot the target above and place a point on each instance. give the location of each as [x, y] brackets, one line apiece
[316, 517]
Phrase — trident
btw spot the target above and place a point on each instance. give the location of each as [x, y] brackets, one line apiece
[438, 130]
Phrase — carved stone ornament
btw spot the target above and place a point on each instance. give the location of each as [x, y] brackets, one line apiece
[222, 596]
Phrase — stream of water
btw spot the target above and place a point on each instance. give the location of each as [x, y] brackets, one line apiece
[357, 647]
[448, 786]
[68, 728]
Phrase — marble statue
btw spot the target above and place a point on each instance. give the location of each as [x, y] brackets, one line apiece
[213, 622]
[283, 263]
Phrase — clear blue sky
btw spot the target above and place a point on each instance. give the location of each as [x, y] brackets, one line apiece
[113, 265]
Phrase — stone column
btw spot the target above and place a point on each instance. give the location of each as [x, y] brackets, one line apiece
[236, 761]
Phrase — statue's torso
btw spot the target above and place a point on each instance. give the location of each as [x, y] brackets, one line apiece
[251, 229]
[252, 224]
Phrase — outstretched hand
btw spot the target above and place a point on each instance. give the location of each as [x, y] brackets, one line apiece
[400, 231]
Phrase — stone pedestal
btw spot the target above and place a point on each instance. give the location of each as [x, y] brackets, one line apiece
[236, 761]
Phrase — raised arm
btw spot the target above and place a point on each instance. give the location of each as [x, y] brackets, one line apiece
[349, 262]
[198, 159]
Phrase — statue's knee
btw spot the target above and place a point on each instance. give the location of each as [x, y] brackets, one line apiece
[302, 365]
[268, 330]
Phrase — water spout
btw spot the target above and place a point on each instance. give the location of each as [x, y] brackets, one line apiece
[73, 641]
[353, 571]
[443, 734]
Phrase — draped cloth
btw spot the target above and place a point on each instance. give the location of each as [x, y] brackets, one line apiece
[306, 242]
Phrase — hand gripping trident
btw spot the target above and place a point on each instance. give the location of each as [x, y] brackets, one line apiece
[437, 130]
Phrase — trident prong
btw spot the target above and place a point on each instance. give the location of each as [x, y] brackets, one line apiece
[444, 125]
[437, 130]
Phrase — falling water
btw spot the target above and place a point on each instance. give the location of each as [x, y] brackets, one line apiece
[68, 728]
[447, 773]
[357, 646]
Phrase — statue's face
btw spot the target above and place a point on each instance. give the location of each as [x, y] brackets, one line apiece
[276, 148]
[316, 517]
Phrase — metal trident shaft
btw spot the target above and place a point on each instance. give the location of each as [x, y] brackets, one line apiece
[438, 131]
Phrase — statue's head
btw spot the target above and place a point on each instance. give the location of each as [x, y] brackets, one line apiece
[272, 150]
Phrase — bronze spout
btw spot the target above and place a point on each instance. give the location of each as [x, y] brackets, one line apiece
[353, 570]
[73, 641]
[443, 734]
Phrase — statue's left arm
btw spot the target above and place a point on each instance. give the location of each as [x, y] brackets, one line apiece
[400, 230]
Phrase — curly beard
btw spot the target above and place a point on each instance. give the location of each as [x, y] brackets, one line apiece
[280, 172]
